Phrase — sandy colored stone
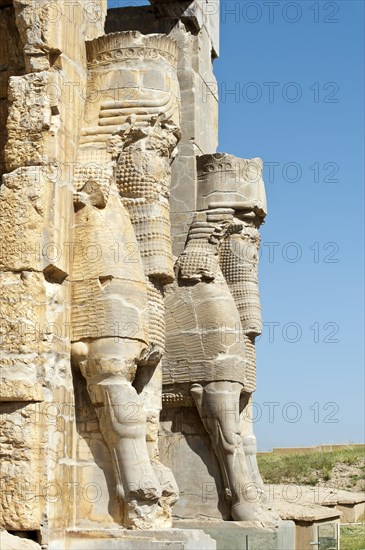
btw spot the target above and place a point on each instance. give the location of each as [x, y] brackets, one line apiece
[19, 390]
[213, 316]
[36, 217]
[22, 469]
[97, 313]
[121, 208]
[12, 542]
[29, 120]
[34, 239]
[12, 63]
[351, 505]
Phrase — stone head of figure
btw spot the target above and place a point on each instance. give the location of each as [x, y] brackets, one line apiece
[134, 81]
[225, 181]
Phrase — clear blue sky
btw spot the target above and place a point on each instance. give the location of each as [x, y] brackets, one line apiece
[311, 352]
[324, 206]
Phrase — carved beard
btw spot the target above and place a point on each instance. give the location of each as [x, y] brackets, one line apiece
[143, 180]
[238, 260]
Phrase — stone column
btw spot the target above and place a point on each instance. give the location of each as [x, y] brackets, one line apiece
[42, 52]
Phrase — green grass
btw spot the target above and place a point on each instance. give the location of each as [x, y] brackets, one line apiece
[306, 468]
[352, 537]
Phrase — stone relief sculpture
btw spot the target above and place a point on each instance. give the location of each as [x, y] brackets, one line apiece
[213, 315]
[122, 210]
[129, 281]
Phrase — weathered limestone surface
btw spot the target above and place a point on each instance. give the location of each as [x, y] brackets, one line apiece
[43, 54]
[22, 472]
[121, 539]
[244, 535]
[117, 304]
[213, 315]
[12, 542]
[351, 505]
[195, 27]
[129, 278]
[12, 63]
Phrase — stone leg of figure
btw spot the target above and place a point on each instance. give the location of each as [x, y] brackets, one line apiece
[249, 444]
[148, 383]
[109, 367]
[218, 406]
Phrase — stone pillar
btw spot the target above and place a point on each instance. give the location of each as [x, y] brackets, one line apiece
[44, 50]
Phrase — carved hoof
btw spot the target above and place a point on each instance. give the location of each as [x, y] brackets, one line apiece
[245, 511]
[169, 488]
[145, 490]
[142, 515]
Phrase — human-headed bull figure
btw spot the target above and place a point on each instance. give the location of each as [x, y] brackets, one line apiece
[122, 214]
[213, 316]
